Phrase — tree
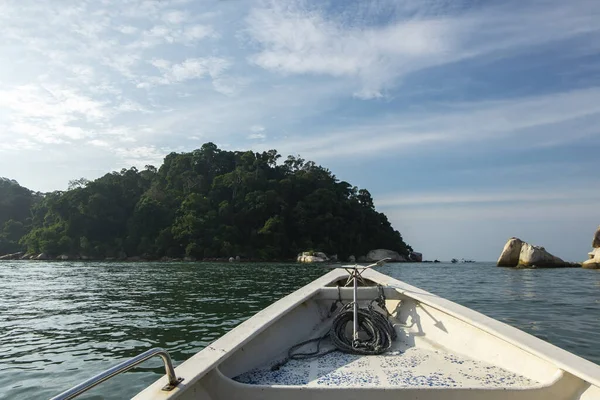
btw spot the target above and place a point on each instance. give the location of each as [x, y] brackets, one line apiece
[78, 183]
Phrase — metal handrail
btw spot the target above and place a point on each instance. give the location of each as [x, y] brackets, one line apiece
[124, 367]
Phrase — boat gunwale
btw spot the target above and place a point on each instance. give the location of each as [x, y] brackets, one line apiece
[207, 359]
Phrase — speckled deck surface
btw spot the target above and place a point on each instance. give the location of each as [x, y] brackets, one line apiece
[411, 367]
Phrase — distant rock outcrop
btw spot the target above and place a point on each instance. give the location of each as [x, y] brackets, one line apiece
[312, 257]
[415, 257]
[42, 256]
[517, 253]
[379, 254]
[594, 261]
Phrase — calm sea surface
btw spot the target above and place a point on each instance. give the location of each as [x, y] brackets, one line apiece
[61, 323]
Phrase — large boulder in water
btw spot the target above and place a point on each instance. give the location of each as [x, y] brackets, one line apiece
[517, 253]
[510, 253]
[537, 256]
[312, 257]
[594, 260]
[42, 256]
[380, 254]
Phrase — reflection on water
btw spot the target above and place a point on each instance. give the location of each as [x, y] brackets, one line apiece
[61, 323]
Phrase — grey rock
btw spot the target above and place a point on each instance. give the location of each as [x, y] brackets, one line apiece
[12, 256]
[380, 254]
[415, 257]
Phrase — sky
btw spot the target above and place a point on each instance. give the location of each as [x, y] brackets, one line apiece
[469, 121]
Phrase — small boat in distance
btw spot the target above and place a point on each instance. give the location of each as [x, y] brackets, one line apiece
[454, 261]
[438, 350]
[462, 260]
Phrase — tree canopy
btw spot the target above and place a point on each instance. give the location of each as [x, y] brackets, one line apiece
[16, 203]
[203, 204]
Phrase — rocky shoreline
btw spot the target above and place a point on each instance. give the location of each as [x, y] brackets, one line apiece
[305, 257]
[64, 257]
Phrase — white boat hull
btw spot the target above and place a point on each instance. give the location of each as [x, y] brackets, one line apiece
[443, 351]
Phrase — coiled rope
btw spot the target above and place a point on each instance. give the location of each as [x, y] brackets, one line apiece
[374, 325]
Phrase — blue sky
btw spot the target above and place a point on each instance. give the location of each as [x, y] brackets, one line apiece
[469, 122]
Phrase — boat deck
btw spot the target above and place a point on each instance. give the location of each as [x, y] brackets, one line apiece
[400, 368]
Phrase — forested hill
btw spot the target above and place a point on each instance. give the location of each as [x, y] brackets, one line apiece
[203, 204]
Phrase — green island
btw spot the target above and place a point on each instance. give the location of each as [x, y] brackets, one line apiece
[202, 205]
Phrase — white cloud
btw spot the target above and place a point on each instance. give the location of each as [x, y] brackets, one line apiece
[258, 132]
[192, 68]
[175, 17]
[161, 63]
[131, 106]
[99, 143]
[19, 144]
[197, 67]
[127, 29]
[229, 85]
[297, 39]
[123, 63]
[198, 32]
[50, 113]
[261, 136]
[141, 156]
[172, 35]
